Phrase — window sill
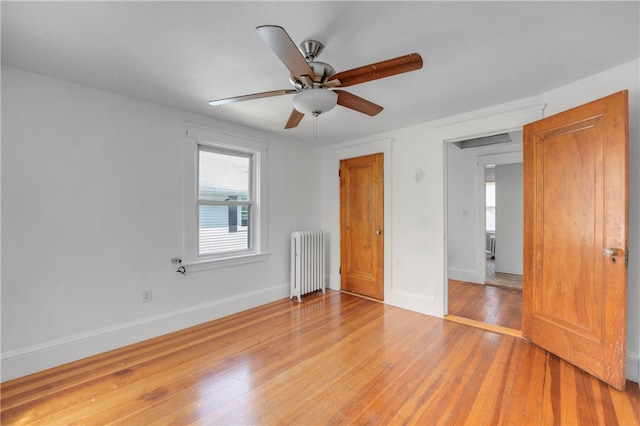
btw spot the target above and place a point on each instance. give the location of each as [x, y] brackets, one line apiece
[203, 265]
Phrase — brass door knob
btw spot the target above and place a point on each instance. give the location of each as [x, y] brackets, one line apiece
[611, 251]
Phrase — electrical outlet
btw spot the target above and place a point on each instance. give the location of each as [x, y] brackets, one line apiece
[147, 296]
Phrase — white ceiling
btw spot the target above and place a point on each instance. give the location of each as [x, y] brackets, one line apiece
[183, 54]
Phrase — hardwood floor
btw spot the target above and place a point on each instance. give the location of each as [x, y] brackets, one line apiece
[333, 359]
[488, 304]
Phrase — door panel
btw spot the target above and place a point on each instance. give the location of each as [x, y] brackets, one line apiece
[575, 181]
[361, 225]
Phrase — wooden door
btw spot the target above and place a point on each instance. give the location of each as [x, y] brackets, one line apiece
[575, 236]
[361, 225]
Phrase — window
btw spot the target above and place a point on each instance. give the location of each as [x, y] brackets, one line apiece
[225, 198]
[225, 220]
[490, 206]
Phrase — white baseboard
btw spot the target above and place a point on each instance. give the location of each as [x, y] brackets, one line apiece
[21, 362]
[513, 270]
[333, 282]
[53, 353]
[466, 275]
[414, 302]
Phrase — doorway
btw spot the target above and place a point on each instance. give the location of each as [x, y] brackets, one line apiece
[484, 275]
[576, 240]
[504, 224]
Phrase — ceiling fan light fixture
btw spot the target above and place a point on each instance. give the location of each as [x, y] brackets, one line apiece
[315, 101]
[313, 81]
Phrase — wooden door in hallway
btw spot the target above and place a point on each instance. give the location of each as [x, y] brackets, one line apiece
[575, 236]
[361, 225]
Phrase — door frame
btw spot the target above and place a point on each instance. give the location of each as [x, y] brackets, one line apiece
[343, 153]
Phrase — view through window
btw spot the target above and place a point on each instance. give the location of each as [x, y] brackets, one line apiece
[490, 206]
[225, 200]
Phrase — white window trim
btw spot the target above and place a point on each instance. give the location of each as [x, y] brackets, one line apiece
[194, 136]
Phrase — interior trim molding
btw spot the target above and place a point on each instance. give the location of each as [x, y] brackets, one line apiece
[509, 115]
[411, 301]
[467, 275]
[31, 359]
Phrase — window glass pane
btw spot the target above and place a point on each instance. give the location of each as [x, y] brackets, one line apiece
[223, 176]
[223, 229]
[491, 206]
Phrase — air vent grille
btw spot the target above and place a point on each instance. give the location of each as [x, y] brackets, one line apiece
[486, 140]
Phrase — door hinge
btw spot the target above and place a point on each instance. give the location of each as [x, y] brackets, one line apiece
[626, 257]
[340, 270]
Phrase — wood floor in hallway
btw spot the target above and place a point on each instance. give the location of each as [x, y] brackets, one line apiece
[333, 359]
[486, 303]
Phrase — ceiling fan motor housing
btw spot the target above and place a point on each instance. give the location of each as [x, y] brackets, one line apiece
[322, 71]
[310, 50]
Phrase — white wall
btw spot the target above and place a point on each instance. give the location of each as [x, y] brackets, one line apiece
[417, 253]
[92, 213]
[509, 218]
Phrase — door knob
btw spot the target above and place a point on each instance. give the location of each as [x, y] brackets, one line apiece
[378, 232]
[611, 251]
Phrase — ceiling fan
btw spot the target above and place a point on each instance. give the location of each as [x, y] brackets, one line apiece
[315, 82]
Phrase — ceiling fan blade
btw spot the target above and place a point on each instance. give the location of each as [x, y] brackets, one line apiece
[294, 119]
[282, 45]
[250, 97]
[349, 100]
[402, 64]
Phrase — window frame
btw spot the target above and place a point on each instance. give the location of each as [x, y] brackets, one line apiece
[250, 202]
[196, 137]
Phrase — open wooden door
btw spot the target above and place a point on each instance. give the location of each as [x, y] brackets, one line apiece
[575, 236]
[361, 225]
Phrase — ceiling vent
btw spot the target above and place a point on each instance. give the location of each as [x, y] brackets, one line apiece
[486, 140]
